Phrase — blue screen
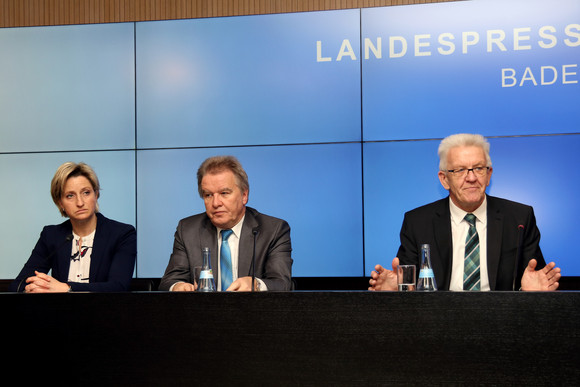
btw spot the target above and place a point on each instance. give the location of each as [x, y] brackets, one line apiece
[336, 116]
[526, 170]
[502, 68]
[246, 81]
[67, 88]
[28, 206]
[311, 187]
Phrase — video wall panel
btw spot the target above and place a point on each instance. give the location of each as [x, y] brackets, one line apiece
[67, 88]
[315, 188]
[489, 67]
[246, 81]
[27, 205]
[525, 169]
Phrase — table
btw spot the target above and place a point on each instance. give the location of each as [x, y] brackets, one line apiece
[295, 338]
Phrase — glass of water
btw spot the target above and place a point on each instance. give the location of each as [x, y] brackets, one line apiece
[406, 278]
[196, 273]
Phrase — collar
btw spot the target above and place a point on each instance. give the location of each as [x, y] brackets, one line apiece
[457, 214]
[86, 238]
[237, 229]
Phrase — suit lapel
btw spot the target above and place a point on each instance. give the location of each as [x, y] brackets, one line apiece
[246, 246]
[208, 238]
[64, 253]
[443, 240]
[494, 239]
[97, 252]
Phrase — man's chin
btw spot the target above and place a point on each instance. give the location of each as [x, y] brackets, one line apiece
[471, 205]
[220, 223]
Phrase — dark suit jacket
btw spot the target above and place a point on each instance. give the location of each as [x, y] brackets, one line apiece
[432, 224]
[273, 250]
[112, 257]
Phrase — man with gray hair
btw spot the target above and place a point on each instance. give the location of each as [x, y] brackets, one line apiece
[478, 242]
[239, 237]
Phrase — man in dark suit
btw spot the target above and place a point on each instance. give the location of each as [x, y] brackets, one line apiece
[223, 186]
[507, 251]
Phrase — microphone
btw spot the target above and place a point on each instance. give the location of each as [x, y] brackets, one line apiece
[518, 253]
[68, 238]
[255, 231]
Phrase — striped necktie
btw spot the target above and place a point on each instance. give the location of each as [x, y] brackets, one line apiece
[226, 275]
[471, 279]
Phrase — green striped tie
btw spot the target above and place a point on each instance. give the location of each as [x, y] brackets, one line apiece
[471, 278]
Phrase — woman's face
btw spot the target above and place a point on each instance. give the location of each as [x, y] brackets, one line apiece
[79, 199]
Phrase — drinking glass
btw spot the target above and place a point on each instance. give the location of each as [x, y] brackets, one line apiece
[196, 272]
[406, 277]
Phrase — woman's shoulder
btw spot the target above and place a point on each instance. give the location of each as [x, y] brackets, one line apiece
[57, 229]
[102, 220]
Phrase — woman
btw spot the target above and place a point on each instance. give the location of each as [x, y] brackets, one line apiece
[88, 252]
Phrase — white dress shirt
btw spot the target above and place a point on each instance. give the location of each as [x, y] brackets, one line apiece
[234, 243]
[459, 229]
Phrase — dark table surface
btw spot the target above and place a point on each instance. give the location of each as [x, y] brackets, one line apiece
[295, 338]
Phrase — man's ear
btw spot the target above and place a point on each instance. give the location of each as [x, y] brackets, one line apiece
[443, 180]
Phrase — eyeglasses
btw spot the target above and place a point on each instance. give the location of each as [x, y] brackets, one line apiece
[462, 172]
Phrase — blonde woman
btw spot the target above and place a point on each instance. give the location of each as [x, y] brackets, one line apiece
[88, 252]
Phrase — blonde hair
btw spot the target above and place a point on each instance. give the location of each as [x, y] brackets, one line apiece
[462, 139]
[66, 171]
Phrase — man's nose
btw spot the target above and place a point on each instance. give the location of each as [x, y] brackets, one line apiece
[470, 175]
[216, 201]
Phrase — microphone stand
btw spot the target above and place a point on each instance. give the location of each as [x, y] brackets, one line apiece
[518, 253]
[255, 232]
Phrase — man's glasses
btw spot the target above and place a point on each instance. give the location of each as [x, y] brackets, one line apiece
[462, 172]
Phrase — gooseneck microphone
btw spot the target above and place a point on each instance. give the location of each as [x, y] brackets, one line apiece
[68, 238]
[255, 231]
[518, 254]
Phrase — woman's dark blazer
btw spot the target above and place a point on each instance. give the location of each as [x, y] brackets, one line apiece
[112, 257]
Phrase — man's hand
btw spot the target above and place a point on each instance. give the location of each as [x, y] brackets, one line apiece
[243, 284]
[545, 279]
[184, 287]
[383, 279]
